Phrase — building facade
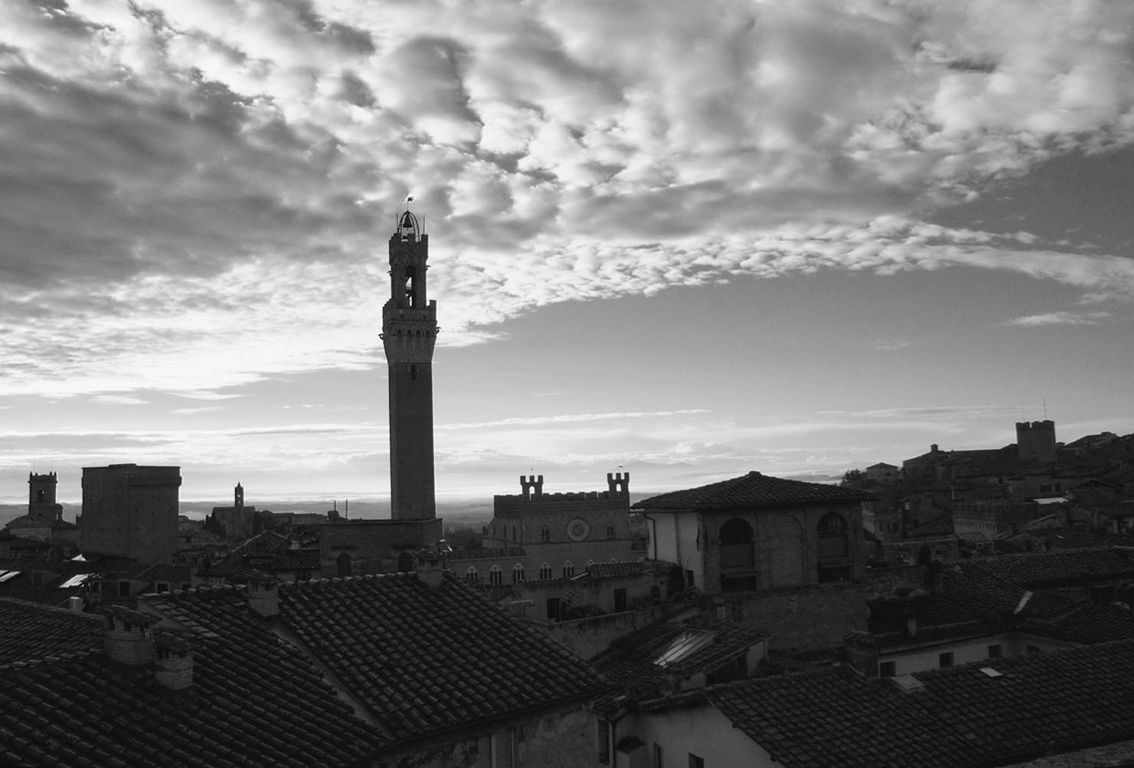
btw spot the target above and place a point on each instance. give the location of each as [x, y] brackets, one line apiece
[130, 511]
[560, 534]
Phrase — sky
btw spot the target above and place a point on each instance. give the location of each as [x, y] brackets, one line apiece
[683, 240]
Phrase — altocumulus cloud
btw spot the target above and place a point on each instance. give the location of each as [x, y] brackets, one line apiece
[196, 181]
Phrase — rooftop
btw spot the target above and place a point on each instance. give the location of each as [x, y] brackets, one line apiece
[753, 491]
[963, 717]
[349, 668]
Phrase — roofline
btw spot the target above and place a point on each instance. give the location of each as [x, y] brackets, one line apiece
[865, 497]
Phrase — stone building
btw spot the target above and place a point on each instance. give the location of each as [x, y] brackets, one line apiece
[130, 511]
[755, 533]
[560, 534]
[235, 522]
[44, 521]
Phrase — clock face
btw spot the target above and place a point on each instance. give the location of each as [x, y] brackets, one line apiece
[578, 529]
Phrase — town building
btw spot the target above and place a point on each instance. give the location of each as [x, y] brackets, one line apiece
[755, 533]
[553, 535]
[236, 522]
[130, 511]
[44, 521]
[785, 555]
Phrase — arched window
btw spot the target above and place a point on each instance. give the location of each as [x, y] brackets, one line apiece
[342, 564]
[832, 531]
[545, 572]
[736, 544]
[737, 548]
[405, 562]
[472, 575]
[411, 291]
[495, 576]
[833, 548]
[568, 569]
[518, 573]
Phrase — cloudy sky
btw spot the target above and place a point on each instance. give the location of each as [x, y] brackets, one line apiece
[687, 240]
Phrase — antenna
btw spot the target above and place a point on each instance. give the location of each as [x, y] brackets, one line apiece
[1045, 409]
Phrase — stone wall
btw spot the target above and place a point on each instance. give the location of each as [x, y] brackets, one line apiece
[372, 546]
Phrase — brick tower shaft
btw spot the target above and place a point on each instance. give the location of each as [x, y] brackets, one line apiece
[409, 332]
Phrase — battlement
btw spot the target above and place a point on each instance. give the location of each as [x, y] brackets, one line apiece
[531, 486]
[1035, 441]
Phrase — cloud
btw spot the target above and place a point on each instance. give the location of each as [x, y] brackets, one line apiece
[891, 345]
[1059, 318]
[196, 194]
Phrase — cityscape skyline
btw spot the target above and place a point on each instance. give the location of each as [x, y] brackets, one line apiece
[792, 238]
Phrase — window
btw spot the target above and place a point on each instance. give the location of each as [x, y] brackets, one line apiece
[1034, 650]
[472, 575]
[123, 589]
[695, 761]
[737, 553]
[545, 572]
[603, 742]
[518, 576]
[610, 531]
[945, 659]
[495, 576]
[834, 548]
[568, 569]
[994, 651]
[887, 669]
[658, 761]
[545, 534]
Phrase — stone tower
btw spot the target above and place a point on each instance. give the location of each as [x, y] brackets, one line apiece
[41, 498]
[409, 332]
[1035, 441]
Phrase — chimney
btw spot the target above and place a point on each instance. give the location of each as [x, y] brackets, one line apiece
[75, 604]
[263, 594]
[173, 669]
[862, 653]
[431, 566]
[126, 636]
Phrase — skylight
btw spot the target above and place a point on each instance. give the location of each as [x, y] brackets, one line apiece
[683, 647]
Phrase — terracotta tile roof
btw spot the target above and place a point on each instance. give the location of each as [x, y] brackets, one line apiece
[428, 659]
[406, 661]
[1086, 623]
[832, 717]
[753, 491]
[31, 632]
[253, 702]
[957, 718]
[1056, 568]
[1040, 704]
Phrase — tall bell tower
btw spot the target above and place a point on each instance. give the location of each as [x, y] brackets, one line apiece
[409, 332]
